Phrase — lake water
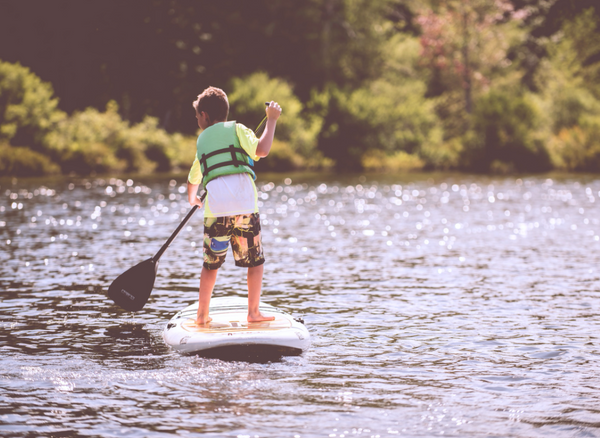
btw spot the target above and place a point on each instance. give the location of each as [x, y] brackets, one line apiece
[438, 305]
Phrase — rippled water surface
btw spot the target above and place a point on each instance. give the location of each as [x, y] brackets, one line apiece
[438, 304]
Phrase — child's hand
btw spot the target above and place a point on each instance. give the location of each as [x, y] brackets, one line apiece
[196, 201]
[273, 111]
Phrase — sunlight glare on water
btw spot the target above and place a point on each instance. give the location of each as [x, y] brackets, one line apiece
[438, 305]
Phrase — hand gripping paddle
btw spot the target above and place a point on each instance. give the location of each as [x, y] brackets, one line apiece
[132, 288]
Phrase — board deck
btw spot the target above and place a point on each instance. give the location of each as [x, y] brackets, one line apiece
[230, 334]
[234, 322]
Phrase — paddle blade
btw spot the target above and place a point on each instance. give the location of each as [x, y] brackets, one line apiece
[131, 289]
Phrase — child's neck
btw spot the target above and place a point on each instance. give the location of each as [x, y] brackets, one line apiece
[216, 121]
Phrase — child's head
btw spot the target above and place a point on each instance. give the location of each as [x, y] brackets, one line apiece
[213, 101]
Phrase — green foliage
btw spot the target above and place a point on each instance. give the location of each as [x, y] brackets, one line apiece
[576, 149]
[93, 142]
[504, 135]
[85, 142]
[88, 142]
[21, 161]
[152, 59]
[28, 109]
[376, 160]
[152, 148]
[389, 114]
[398, 115]
[361, 90]
[282, 158]
[342, 134]
[570, 95]
[466, 45]
[573, 59]
[297, 127]
[574, 129]
[577, 53]
[444, 155]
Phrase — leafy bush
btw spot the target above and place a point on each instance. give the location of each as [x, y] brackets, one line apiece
[145, 147]
[442, 155]
[576, 148]
[89, 141]
[297, 127]
[93, 142]
[573, 59]
[282, 158]
[571, 106]
[20, 161]
[28, 109]
[376, 160]
[388, 114]
[570, 95]
[574, 130]
[504, 134]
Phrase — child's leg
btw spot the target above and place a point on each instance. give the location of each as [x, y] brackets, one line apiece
[207, 283]
[216, 242]
[247, 251]
[255, 276]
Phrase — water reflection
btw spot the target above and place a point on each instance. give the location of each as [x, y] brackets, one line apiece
[437, 304]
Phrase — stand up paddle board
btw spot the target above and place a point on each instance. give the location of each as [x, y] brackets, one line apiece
[230, 336]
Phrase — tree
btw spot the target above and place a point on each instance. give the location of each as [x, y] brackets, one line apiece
[465, 48]
[570, 80]
[153, 56]
[384, 116]
[504, 135]
[543, 20]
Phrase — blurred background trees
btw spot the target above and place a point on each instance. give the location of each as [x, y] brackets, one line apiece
[474, 85]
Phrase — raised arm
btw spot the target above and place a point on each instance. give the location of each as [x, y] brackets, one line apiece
[266, 140]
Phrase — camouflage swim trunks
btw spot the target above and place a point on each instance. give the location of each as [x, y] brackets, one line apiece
[244, 232]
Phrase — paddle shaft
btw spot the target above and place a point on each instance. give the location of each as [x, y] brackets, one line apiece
[262, 121]
[160, 252]
[185, 220]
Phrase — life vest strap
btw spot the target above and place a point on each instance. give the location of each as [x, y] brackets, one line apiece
[234, 159]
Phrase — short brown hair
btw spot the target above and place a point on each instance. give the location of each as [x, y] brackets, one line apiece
[213, 101]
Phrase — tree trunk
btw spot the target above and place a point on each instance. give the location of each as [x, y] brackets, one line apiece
[466, 70]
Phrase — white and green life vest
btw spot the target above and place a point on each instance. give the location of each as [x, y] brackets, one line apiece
[219, 152]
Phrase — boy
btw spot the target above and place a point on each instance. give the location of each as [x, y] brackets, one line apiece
[225, 152]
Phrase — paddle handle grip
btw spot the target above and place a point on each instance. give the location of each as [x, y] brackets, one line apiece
[185, 220]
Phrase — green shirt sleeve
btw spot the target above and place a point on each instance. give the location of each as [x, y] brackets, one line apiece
[195, 175]
[248, 141]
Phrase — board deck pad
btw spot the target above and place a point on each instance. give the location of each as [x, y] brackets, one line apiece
[231, 322]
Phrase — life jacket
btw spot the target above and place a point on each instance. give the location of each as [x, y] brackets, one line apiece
[219, 153]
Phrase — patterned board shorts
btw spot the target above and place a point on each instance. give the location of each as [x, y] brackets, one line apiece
[243, 231]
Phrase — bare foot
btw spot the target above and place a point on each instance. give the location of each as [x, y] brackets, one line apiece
[202, 321]
[260, 317]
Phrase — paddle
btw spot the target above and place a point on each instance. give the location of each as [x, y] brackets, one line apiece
[132, 288]
[262, 121]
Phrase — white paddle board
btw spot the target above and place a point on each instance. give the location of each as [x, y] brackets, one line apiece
[229, 335]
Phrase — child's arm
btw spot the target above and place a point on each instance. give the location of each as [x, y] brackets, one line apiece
[193, 194]
[266, 139]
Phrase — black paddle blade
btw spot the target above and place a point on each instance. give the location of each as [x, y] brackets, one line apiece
[131, 289]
